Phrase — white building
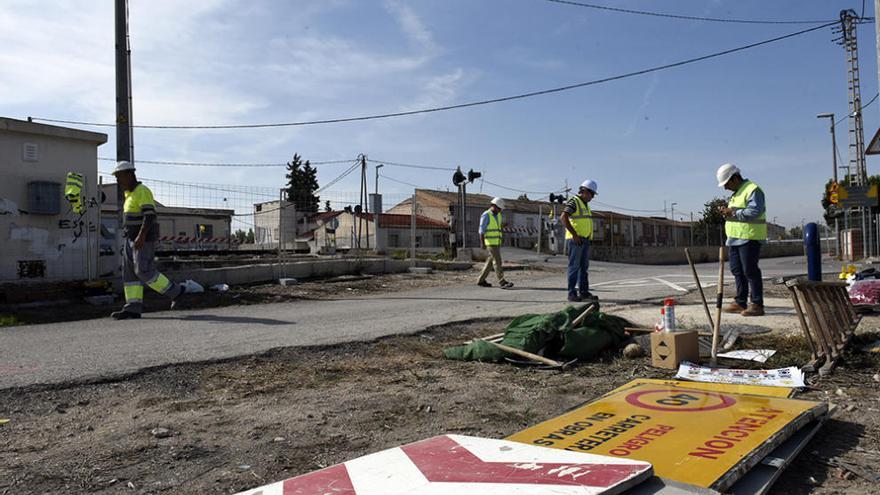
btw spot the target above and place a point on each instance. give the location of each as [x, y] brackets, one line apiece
[41, 237]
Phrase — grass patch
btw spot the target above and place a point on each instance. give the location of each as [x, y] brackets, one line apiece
[10, 321]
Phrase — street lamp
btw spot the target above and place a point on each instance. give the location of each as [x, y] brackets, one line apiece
[377, 176]
[672, 206]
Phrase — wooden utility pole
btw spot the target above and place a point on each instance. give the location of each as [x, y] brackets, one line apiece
[124, 141]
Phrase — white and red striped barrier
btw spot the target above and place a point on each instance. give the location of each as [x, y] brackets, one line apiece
[520, 230]
[209, 240]
[460, 465]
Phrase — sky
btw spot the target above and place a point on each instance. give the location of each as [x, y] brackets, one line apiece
[648, 140]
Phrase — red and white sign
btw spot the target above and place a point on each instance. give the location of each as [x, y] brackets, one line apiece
[459, 465]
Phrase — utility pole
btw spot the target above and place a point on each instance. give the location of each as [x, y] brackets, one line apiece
[849, 40]
[124, 141]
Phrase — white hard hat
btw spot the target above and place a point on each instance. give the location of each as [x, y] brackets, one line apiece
[591, 185]
[123, 166]
[725, 172]
[498, 202]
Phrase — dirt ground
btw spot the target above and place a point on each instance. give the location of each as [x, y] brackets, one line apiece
[227, 426]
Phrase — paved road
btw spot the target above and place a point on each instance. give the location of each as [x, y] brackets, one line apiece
[80, 350]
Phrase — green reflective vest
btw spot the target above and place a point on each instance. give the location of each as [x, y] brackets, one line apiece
[493, 230]
[755, 229]
[581, 220]
[73, 192]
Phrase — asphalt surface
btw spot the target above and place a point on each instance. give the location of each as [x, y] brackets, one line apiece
[91, 349]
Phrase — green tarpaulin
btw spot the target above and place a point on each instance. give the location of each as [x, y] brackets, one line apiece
[551, 335]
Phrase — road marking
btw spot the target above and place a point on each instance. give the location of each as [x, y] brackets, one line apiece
[670, 284]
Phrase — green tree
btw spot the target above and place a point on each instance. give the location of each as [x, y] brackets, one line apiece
[250, 236]
[523, 197]
[239, 235]
[710, 223]
[327, 206]
[302, 182]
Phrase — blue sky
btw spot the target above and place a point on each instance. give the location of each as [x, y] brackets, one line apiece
[645, 140]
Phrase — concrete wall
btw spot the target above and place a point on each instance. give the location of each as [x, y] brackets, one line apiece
[46, 246]
[252, 274]
[675, 255]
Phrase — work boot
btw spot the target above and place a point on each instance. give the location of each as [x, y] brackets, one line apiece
[573, 298]
[504, 284]
[587, 295]
[754, 310]
[176, 301]
[483, 283]
[733, 308]
[124, 315]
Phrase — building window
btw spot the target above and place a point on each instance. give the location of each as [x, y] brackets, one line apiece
[393, 240]
[438, 240]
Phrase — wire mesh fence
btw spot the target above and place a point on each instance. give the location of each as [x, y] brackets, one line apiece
[217, 216]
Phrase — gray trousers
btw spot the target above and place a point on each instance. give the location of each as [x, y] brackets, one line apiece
[493, 259]
[139, 269]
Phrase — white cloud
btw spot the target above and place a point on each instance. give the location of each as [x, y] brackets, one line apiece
[411, 24]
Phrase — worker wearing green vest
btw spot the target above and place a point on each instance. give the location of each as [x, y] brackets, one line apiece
[577, 218]
[490, 237]
[746, 229]
[141, 232]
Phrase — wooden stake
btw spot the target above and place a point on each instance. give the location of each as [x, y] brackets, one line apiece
[580, 319]
[687, 254]
[527, 355]
[719, 300]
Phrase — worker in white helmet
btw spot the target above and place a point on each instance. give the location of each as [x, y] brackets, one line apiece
[577, 218]
[141, 231]
[490, 238]
[746, 228]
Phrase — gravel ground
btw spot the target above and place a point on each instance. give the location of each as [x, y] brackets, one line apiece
[222, 427]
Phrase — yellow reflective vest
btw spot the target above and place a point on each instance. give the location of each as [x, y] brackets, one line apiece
[73, 192]
[581, 220]
[493, 230]
[755, 229]
[138, 203]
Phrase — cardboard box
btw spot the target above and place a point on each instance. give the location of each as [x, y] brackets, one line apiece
[670, 349]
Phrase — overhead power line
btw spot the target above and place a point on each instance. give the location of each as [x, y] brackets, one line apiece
[519, 190]
[687, 17]
[408, 165]
[462, 105]
[341, 176]
[237, 165]
[392, 179]
[872, 100]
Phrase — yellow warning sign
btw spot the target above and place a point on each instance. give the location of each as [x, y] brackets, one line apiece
[732, 388]
[690, 435]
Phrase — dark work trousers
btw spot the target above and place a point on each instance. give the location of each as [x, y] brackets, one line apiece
[744, 266]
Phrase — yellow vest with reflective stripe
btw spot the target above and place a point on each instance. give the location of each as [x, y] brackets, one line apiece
[138, 202]
[73, 191]
[581, 220]
[493, 230]
[755, 229]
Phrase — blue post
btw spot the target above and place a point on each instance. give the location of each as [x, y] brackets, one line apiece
[814, 252]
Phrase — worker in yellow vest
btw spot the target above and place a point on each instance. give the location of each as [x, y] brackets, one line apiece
[746, 229]
[141, 231]
[577, 218]
[490, 238]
